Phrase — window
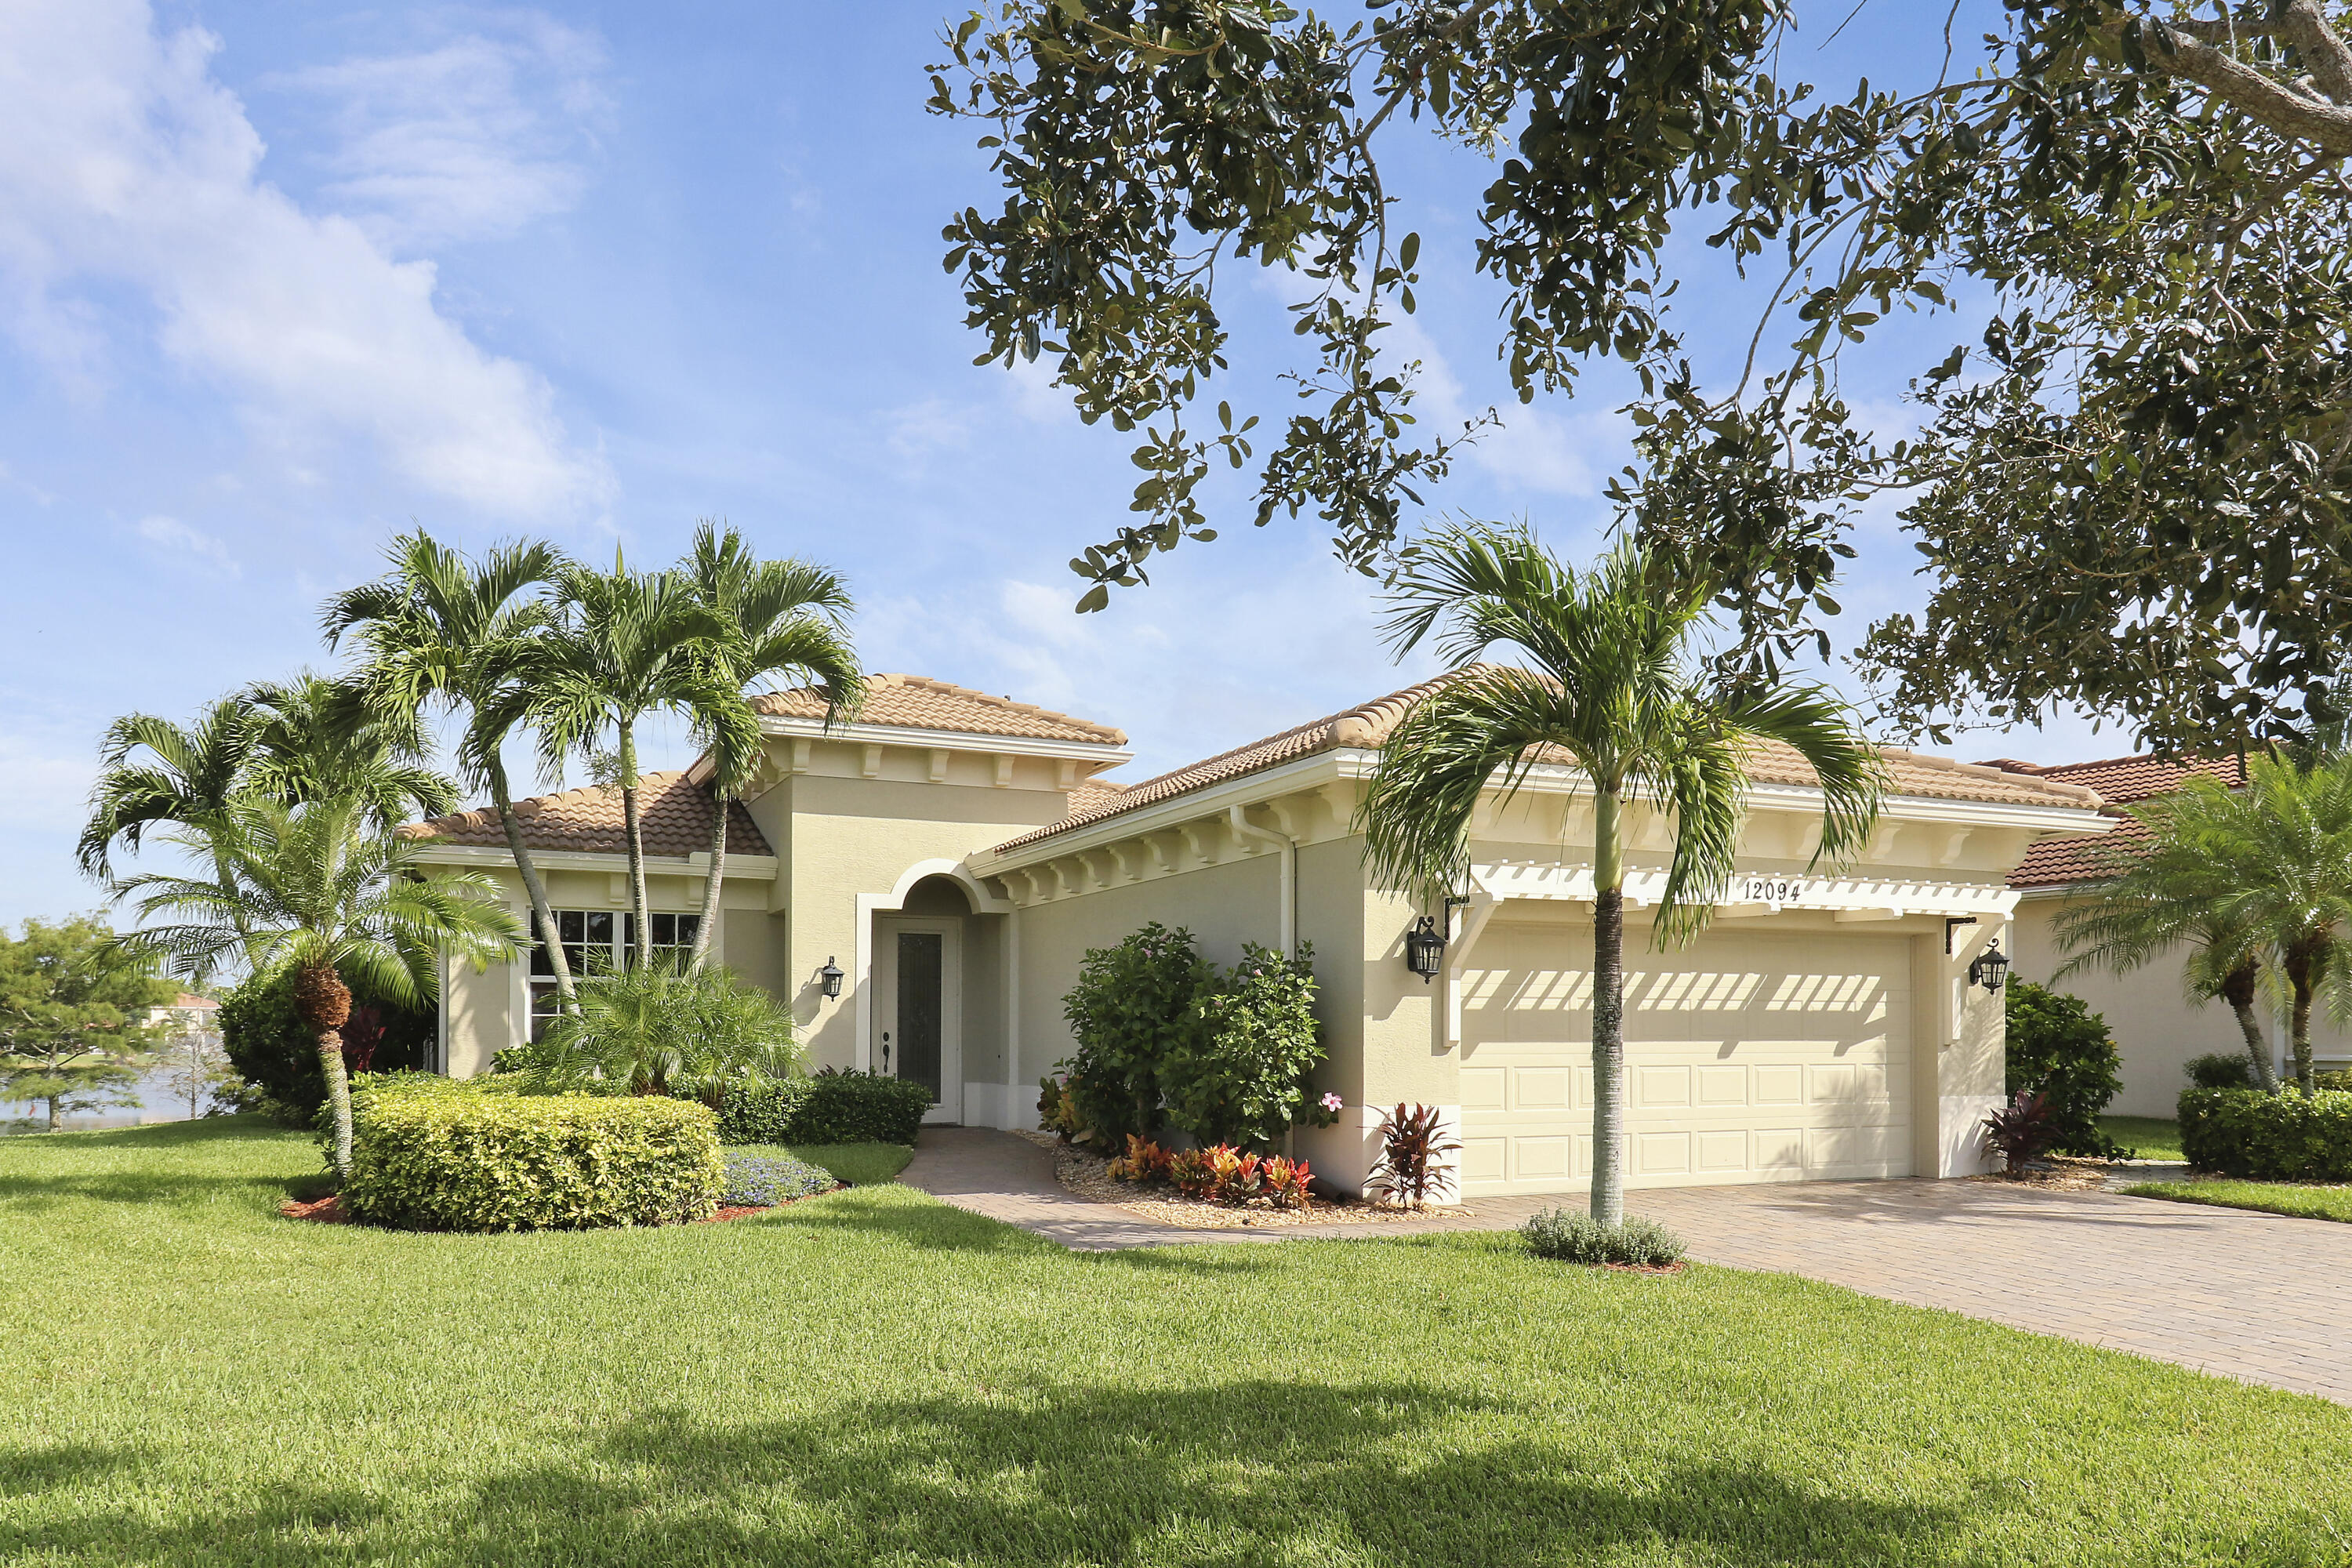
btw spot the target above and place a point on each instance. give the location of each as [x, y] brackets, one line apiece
[597, 942]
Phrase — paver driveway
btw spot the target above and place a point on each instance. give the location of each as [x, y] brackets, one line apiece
[2252, 1296]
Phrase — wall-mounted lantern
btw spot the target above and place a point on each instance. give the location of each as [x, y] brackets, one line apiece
[1990, 968]
[1424, 948]
[830, 977]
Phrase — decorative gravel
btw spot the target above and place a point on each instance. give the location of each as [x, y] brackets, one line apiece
[1088, 1174]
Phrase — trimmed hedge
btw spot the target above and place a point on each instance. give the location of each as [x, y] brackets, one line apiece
[2289, 1137]
[455, 1158]
[831, 1107]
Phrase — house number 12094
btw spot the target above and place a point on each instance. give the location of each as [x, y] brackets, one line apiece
[1772, 890]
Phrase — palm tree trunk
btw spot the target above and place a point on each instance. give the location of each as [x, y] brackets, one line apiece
[1608, 1012]
[2237, 991]
[339, 1095]
[637, 830]
[710, 892]
[541, 911]
[2299, 1022]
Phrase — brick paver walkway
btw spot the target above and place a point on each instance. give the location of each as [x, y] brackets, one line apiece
[2256, 1296]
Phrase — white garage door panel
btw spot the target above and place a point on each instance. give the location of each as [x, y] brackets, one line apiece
[1749, 1057]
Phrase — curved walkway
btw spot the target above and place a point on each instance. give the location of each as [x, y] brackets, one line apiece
[2257, 1297]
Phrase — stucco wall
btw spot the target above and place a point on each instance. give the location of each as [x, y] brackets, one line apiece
[2155, 1024]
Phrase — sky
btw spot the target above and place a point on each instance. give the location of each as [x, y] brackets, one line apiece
[280, 278]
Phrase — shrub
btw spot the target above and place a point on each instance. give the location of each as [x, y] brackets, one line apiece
[2339, 1080]
[277, 1054]
[2062, 1051]
[2222, 1069]
[763, 1181]
[1239, 1075]
[1057, 1109]
[2289, 1137]
[768, 1112]
[1131, 1009]
[1572, 1236]
[1219, 1173]
[1412, 1146]
[860, 1108]
[2022, 1131]
[470, 1157]
[655, 1027]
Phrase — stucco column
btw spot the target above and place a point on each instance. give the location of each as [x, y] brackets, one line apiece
[1958, 1040]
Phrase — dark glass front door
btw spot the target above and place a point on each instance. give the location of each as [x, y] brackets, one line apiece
[920, 960]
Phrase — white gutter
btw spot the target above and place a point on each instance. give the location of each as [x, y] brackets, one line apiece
[750, 868]
[1238, 818]
[1102, 753]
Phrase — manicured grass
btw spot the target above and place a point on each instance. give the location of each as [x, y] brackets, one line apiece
[2271, 1197]
[871, 1376]
[2148, 1137]
[859, 1165]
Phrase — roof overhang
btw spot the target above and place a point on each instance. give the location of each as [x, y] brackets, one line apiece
[1099, 756]
[480, 857]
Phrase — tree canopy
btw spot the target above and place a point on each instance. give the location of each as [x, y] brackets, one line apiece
[2131, 489]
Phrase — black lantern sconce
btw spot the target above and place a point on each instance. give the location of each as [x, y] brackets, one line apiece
[1990, 968]
[1424, 948]
[830, 976]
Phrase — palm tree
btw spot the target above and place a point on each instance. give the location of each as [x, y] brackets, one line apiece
[2273, 866]
[439, 629]
[781, 617]
[623, 645]
[288, 742]
[2166, 897]
[1610, 688]
[311, 886]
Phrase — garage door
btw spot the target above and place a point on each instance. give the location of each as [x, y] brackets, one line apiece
[1749, 1057]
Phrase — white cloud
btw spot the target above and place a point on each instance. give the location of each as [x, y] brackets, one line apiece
[177, 538]
[42, 786]
[933, 425]
[124, 163]
[474, 138]
[1534, 449]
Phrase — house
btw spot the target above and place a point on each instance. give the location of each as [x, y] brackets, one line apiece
[953, 855]
[2156, 1024]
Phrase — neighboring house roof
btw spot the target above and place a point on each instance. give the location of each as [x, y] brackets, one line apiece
[917, 702]
[187, 1000]
[2056, 862]
[1369, 724]
[2122, 779]
[675, 815]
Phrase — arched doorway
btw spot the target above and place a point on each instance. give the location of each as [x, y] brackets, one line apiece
[919, 975]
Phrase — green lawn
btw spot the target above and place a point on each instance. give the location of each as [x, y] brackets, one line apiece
[2148, 1137]
[2271, 1197]
[859, 1165]
[871, 1377]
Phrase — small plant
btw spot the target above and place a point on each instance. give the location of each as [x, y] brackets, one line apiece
[1057, 1104]
[2022, 1131]
[2220, 1071]
[1412, 1149]
[763, 1181]
[1219, 1173]
[1143, 1162]
[1572, 1236]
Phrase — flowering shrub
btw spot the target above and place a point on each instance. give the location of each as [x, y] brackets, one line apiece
[1131, 1007]
[1221, 1174]
[1240, 1075]
[763, 1181]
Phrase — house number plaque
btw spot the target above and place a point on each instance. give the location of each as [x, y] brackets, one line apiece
[1771, 890]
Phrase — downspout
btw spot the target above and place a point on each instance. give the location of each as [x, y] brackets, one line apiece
[1236, 816]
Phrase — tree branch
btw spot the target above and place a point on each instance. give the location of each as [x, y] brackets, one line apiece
[2306, 25]
[2271, 103]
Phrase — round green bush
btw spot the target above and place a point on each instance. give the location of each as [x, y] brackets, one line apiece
[2061, 1051]
[444, 1156]
[277, 1054]
[1572, 1236]
[2221, 1069]
[2285, 1137]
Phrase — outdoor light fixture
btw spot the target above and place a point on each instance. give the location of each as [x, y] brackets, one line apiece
[831, 976]
[1424, 948]
[1990, 968]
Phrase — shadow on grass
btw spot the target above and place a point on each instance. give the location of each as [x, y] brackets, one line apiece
[1250, 1472]
[244, 1128]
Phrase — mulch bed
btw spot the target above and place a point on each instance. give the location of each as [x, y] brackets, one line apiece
[1087, 1174]
[2064, 1173]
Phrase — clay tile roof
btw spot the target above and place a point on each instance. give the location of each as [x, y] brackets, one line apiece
[917, 702]
[2079, 858]
[2122, 779]
[188, 999]
[676, 816]
[1092, 793]
[1369, 724]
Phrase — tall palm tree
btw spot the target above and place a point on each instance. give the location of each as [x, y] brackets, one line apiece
[2166, 896]
[154, 772]
[313, 887]
[2274, 860]
[623, 645]
[318, 740]
[439, 629]
[1611, 686]
[782, 618]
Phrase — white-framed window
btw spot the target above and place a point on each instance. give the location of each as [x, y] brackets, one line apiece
[597, 942]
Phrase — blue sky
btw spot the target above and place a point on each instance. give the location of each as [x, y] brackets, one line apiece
[279, 278]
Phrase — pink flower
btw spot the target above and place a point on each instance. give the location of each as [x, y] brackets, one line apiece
[1332, 1102]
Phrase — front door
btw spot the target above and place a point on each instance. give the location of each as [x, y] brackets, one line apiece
[917, 979]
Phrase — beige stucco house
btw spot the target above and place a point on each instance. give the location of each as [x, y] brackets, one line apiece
[954, 855]
[2158, 1025]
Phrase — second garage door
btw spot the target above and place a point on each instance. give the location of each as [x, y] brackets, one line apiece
[1752, 1056]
